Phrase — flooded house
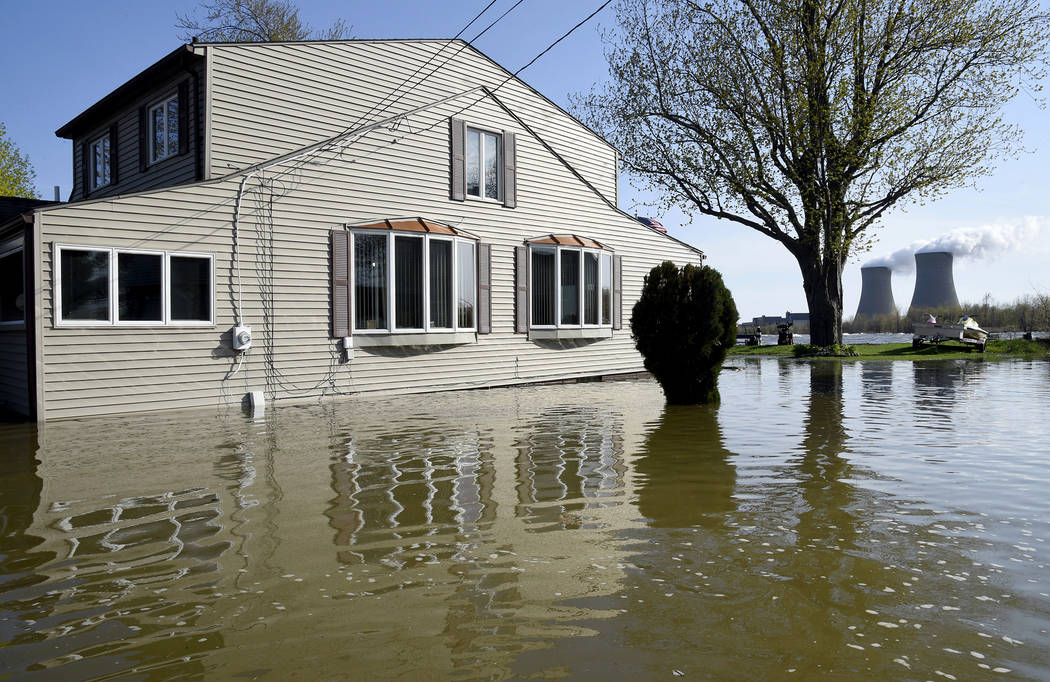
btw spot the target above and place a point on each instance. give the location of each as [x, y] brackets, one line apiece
[299, 221]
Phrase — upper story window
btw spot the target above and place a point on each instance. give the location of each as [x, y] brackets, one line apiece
[12, 283]
[484, 164]
[105, 286]
[164, 129]
[101, 162]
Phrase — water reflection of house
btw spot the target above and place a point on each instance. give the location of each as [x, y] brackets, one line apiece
[421, 231]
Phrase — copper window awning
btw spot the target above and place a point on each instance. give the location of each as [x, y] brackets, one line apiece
[413, 225]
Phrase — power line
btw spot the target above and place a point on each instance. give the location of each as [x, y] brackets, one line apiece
[533, 60]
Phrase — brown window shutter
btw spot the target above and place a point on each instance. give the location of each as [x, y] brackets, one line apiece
[521, 289]
[458, 163]
[184, 117]
[484, 288]
[143, 139]
[617, 302]
[510, 180]
[114, 156]
[85, 169]
[340, 283]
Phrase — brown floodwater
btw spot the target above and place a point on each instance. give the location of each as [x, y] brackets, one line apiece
[827, 521]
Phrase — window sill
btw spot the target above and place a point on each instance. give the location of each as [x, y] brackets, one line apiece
[413, 339]
[560, 334]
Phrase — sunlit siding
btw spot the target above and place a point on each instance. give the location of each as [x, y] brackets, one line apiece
[285, 223]
[269, 99]
[176, 170]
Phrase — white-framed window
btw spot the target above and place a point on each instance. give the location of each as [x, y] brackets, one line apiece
[570, 287]
[412, 282]
[164, 129]
[100, 162]
[99, 286]
[12, 283]
[484, 164]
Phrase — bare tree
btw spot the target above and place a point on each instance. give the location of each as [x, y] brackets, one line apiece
[807, 120]
[230, 21]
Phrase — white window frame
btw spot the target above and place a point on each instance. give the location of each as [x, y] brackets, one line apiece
[165, 288]
[578, 252]
[391, 283]
[163, 106]
[93, 171]
[482, 132]
[15, 245]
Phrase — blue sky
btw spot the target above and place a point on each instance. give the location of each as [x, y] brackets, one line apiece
[70, 54]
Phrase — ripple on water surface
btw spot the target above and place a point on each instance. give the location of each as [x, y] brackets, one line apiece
[827, 520]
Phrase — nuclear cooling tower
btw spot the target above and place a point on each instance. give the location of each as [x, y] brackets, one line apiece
[934, 284]
[876, 294]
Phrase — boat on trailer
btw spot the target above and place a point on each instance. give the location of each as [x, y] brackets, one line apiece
[965, 331]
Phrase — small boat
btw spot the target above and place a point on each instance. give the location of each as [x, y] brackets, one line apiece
[965, 330]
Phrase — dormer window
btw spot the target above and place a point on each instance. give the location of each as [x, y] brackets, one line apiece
[100, 162]
[164, 129]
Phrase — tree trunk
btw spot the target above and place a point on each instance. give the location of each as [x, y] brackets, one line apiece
[822, 282]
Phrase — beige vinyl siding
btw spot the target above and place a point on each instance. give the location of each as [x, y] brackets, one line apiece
[14, 370]
[270, 99]
[176, 170]
[285, 222]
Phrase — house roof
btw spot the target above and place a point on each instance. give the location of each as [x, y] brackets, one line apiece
[10, 207]
[174, 62]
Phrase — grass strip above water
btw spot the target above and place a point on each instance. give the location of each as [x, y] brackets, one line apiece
[996, 350]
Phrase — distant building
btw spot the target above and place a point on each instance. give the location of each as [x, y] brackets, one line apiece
[788, 318]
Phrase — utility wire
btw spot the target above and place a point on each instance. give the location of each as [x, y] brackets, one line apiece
[532, 61]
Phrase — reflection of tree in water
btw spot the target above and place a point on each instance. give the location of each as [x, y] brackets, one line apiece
[685, 477]
[571, 461]
[409, 488]
[19, 498]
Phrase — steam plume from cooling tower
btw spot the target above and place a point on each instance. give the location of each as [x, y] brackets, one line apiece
[974, 243]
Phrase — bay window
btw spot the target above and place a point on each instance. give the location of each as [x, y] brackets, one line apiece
[412, 282]
[107, 286]
[570, 287]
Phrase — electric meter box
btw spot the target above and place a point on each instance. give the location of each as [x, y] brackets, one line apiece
[242, 338]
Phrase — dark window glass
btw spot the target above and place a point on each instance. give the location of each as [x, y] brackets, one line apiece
[474, 163]
[370, 281]
[85, 285]
[440, 284]
[543, 285]
[138, 287]
[12, 283]
[606, 289]
[467, 291]
[190, 289]
[590, 288]
[492, 165]
[408, 288]
[570, 287]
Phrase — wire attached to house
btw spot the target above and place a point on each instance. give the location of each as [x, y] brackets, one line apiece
[237, 243]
